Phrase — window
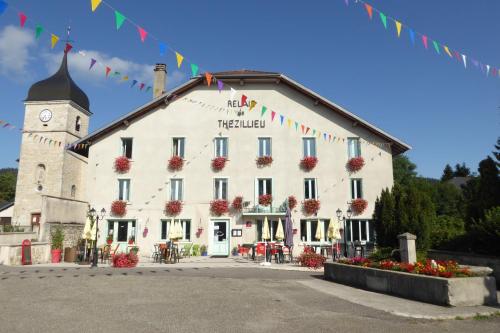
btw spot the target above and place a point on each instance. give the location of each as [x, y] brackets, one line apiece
[186, 229]
[221, 147]
[124, 189]
[273, 227]
[40, 174]
[264, 147]
[178, 147]
[309, 146]
[73, 191]
[121, 230]
[77, 124]
[353, 147]
[356, 189]
[310, 188]
[264, 186]
[127, 147]
[220, 188]
[309, 229]
[359, 230]
[176, 189]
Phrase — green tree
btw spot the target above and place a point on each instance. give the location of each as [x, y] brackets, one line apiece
[485, 232]
[8, 179]
[447, 173]
[496, 153]
[461, 170]
[403, 169]
[385, 219]
[445, 229]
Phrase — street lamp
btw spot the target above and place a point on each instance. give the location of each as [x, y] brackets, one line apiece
[96, 218]
[344, 219]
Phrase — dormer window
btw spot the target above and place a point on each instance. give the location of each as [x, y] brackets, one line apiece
[77, 124]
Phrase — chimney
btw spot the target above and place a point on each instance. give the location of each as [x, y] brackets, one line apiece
[160, 79]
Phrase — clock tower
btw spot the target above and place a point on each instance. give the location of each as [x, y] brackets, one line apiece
[50, 177]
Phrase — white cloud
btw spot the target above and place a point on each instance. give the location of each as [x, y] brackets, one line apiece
[14, 52]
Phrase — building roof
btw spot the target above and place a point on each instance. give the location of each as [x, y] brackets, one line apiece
[59, 86]
[6, 205]
[246, 76]
[459, 181]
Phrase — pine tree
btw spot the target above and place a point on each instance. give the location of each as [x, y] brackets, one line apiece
[384, 219]
[497, 153]
[447, 173]
[461, 170]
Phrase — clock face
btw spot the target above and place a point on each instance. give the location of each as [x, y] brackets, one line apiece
[45, 115]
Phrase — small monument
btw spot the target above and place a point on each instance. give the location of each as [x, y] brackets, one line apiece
[407, 247]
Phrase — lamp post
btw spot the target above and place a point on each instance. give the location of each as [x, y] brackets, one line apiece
[96, 218]
[342, 218]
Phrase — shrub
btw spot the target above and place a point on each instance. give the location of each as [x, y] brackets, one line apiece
[122, 164]
[446, 228]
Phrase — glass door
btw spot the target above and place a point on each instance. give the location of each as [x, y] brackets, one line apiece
[219, 239]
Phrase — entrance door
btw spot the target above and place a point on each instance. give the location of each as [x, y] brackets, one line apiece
[220, 239]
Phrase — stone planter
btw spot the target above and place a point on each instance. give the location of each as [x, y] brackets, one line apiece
[463, 291]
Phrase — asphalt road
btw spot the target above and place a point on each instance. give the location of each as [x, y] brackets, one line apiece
[170, 299]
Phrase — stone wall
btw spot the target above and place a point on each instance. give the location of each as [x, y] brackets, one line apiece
[61, 211]
[11, 254]
[16, 238]
[72, 233]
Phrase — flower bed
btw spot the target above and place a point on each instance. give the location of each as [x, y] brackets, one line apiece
[355, 164]
[122, 164]
[219, 163]
[311, 206]
[264, 160]
[119, 208]
[173, 208]
[237, 204]
[175, 163]
[311, 259]
[265, 199]
[292, 202]
[123, 260]
[308, 163]
[219, 207]
[358, 206]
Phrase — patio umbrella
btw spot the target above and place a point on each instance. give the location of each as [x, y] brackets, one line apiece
[288, 229]
[179, 230]
[93, 231]
[87, 234]
[320, 231]
[265, 230]
[171, 230]
[279, 231]
[333, 230]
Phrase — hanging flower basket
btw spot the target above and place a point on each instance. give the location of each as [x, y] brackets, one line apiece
[292, 202]
[264, 160]
[265, 199]
[122, 164]
[358, 206]
[175, 163]
[219, 163]
[311, 206]
[355, 164]
[308, 163]
[119, 208]
[237, 204]
[219, 207]
[173, 208]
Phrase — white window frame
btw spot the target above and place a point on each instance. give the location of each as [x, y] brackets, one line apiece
[131, 231]
[353, 147]
[264, 149]
[177, 152]
[354, 188]
[174, 193]
[367, 226]
[307, 184]
[184, 229]
[219, 151]
[126, 190]
[218, 194]
[310, 237]
[123, 149]
[307, 147]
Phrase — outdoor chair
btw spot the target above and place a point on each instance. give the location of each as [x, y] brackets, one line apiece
[156, 253]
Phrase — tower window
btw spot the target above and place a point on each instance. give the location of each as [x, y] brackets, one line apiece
[40, 174]
[77, 124]
[73, 191]
[127, 147]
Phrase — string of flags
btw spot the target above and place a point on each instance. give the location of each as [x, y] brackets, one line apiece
[426, 41]
[107, 71]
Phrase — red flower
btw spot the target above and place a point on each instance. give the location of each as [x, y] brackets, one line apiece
[175, 163]
[308, 163]
[122, 164]
[237, 204]
[123, 260]
[311, 259]
[311, 206]
[265, 199]
[355, 164]
[219, 207]
[264, 160]
[173, 207]
[358, 206]
[219, 163]
[292, 202]
[119, 208]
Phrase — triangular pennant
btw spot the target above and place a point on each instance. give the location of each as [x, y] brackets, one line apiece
[282, 118]
[53, 40]
[119, 19]
[180, 58]
[383, 18]
[233, 92]
[324, 136]
[314, 132]
[412, 36]
[273, 114]
[208, 77]
[220, 85]
[329, 137]
[243, 100]
[148, 88]
[92, 63]
[253, 103]
[436, 46]
[303, 128]
[296, 126]
[3, 6]
[447, 50]
[264, 109]
[163, 48]
[125, 78]
[134, 82]
[68, 47]
[289, 122]
[398, 27]
[142, 33]
[38, 31]
[464, 57]
[194, 69]
[141, 86]
[369, 10]
[95, 4]
[307, 130]
[457, 56]
[487, 69]
[22, 19]
[107, 71]
[424, 40]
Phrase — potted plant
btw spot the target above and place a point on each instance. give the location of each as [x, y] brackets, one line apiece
[219, 163]
[122, 164]
[263, 161]
[308, 163]
[234, 252]
[203, 250]
[119, 208]
[173, 208]
[358, 206]
[355, 164]
[175, 163]
[219, 207]
[196, 250]
[109, 239]
[131, 240]
[57, 244]
[237, 204]
[265, 199]
[311, 206]
[292, 202]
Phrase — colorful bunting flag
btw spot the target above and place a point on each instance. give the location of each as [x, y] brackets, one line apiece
[296, 126]
[464, 57]
[107, 71]
[487, 69]
[369, 10]
[180, 58]
[148, 88]
[233, 92]
[447, 50]
[220, 85]
[163, 48]
[424, 40]
[243, 100]
[303, 128]
[383, 18]
[282, 118]
[119, 19]
[398, 27]
[3, 6]
[141, 86]
[307, 130]
[142, 33]
[273, 114]
[412, 36]
[194, 69]
[67, 48]
[289, 122]
[125, 78]
[134, 82]
[264, 109]
[208, 77]
[253, 103]
[22, 19]
[94, 4]
[38, 31]
[436, 46]
[92, 63]
[53, 40]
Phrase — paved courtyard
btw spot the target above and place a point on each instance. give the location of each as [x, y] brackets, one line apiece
[196, 298]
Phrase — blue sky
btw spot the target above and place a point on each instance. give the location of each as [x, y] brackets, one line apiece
[446, 113]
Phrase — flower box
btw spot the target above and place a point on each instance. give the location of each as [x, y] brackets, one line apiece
[292, 202]
[175, 163]
[264, 160]
[173, 207]
[311, 206]
[308, 163]
[119, 208]
[122, 164]
[355, 164]
[219, 207]
[219, 163]
[265, 199]
[358, 206]
[237, 204]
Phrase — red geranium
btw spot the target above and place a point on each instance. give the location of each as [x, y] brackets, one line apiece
[265, 199]
[264, 160]
[355, 164]
[308, 163]
[119, 208]
[237, 204]
[175, 163]
[122, 164]
[173, 207]
[219, 207]
[358, 206]
[311, 206]
[311, 259]
[292, 202]
[219, 163]
[123, 260]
